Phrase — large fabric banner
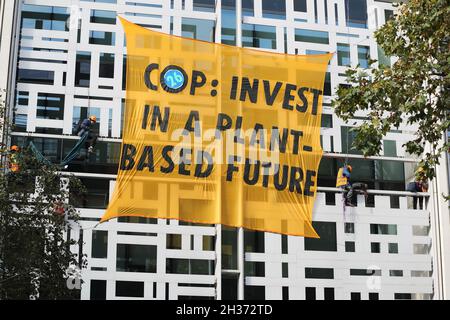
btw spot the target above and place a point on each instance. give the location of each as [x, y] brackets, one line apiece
[217, 134]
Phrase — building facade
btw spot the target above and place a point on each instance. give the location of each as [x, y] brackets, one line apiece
[71, 63]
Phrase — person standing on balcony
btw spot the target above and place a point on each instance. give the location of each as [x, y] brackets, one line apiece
[418, 185]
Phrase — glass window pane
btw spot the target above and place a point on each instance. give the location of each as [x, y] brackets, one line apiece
[327, 241]
[99, 244]
[103, 16]
[274, 9]
[356, 13]
[363, 56]
[300, 5]
[312, 36]
[50, 106]
[253, 241]
[259, 36]
[198, 29]
[129, 289]
[136, 258]
[343, 54]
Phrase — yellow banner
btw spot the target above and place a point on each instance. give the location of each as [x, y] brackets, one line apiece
[218, 134]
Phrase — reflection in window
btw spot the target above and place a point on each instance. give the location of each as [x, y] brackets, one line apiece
[136, 258]
[198, 29]
[36, 76]
[173, 241]
[312, 36]
[383, 229]
[103, 16]
[343, 54]
[50, 106]
[83, 69]
[228, 24]
[383, 60]
[274, 9]
[102, 38]
[45, 17]
[258, 36]
[208, 243]
[356, 13]
[253, 241]
[363, 56]
[204, 5]
[254, 269]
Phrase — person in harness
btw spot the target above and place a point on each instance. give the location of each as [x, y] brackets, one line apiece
[13, 159]
[343, 182]
[86, 126]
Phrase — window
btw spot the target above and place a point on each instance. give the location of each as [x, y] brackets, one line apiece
[254, 241]
[356, 13]
[136, 258]
[312, 36]
[229, 248]
[327, 241]
[373, 296]
[102, 38]
[98, 290]
[173, 241]
[247, 8]
[204, 5]
[310, 293]
[285, 270]
[355, 296]
[103, 16]
[50, 106]
[396, 273]
[130, 289]
[254, 292]
[300, 5]
[137, 220]
[363, 56]
[329, 293]
[285, 293]
[319, 273]
[388, 15]
[390, 148]
[349, 227]
[393, 247]
[383, 229]
[45, 17]
[209, 243]
[327, 121]
[274, 9]
[97, 194]
[258, 36]
[365, 272]
[99, 244]
[36, 76]
[383, 60]
[343, 54]
[419, 248]
[327, 84]
[189, 266]
[229, 287]
[106, 67]
[254, 269]
[402, 296]
[349, 246]
[375, 247]
[83, 69]
[284, 244]
[199, 29]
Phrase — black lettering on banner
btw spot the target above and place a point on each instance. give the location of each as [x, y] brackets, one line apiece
[278, 142]
[195, 83]
[309, 183]
[266, 168]
[166, 156]
[301, 95]
[238, 132]
[288, 97]
[128, 154]
[234, 84]
[316, 93]
[156, 116]
[198, 168]
[184, 161]
[280, 186]
[295, 178]
[250, 90]
[145, 117]
[258, 130]
[223, 123]
[147, 72]
[231, 167]
[193, 123]
[270, 96]
[296, 136]
[247, 166]
[147, 155]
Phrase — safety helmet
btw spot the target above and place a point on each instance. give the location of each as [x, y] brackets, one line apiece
[349, 167]
[93, 118]
[14, 148]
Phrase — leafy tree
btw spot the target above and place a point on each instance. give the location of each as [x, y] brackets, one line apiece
[415, 89]
[34, 219]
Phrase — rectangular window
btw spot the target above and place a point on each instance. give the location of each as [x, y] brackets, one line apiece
[98, 290]
[343, 54]
[284, 244]
[103, 16]
[363, 56]
[355, 296]
[189, 266]
[99, 244]
[83, 69]
[356, 13]
[349, 227]
[328, 293]
[285, 270]
[130, 289]
[50, 106]
[327, 241]
[45, 17]
[310, 293]
[198, 29]
[209, 243]
[173, 241]
[259, 36]
[365, 272]
[388, 15]
[254, 269]
[285, 293]
[229, 248]
[254, 292]
[383, 229]
[300, 5]
[375, 247]
[312, 36]
[327, 121]
[274, 9]
[106, 67]
[396, 273]
[136, 258]
[373, 296]
[102, 38]
[349, 246]
[137, 220]
[319, 273]
[402, 296]
[253, 241]
[36, 76]
[204, 5]
[247, 8]
[393, 247]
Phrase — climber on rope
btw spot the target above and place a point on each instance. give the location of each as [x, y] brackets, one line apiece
[349, 189]
[13, 159]
[86, 126]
